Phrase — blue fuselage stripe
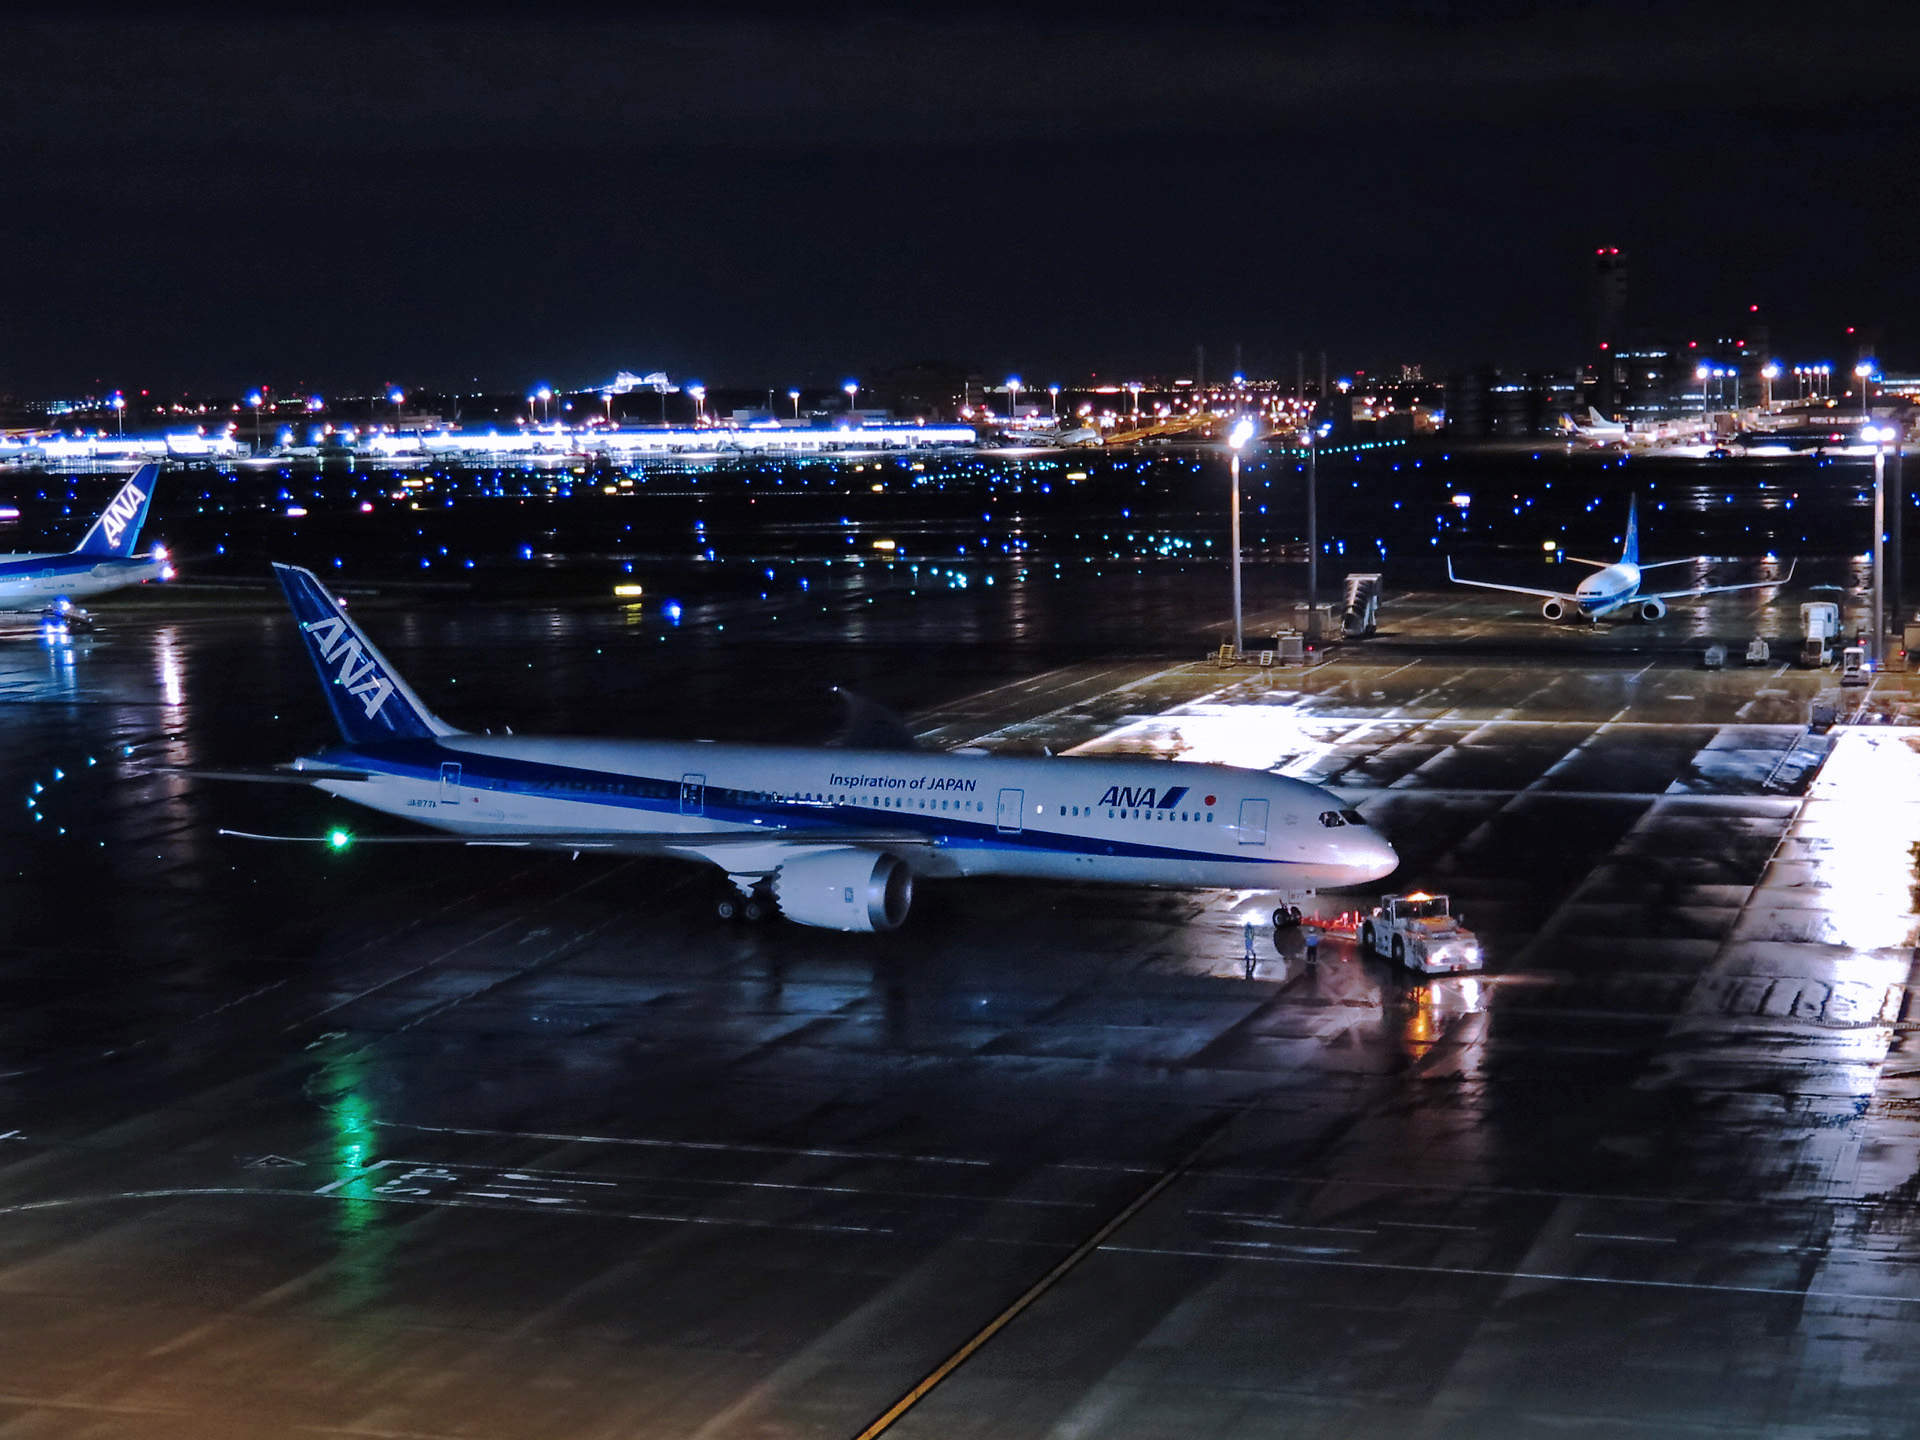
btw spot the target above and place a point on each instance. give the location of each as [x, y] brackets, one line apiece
[421, 760]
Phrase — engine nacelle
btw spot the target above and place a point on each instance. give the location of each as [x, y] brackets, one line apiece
[1554, 610]
[846, 889]
[1653, 609]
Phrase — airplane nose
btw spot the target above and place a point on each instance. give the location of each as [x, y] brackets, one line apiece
[1379, 859]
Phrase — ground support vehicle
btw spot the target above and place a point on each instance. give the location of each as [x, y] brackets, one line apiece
[1419, 931]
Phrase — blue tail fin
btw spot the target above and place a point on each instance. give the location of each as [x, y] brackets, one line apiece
[1630, 552]
[117, 531]
[369, 699]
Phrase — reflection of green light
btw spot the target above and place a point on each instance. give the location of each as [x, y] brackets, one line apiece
[339, 839]
[365, 1246]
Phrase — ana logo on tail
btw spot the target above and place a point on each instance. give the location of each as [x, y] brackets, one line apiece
[357, 674]
[121, 512]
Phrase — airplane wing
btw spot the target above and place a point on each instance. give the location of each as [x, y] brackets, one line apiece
[1515, 589]
[612, 842]
[277, 775]
[1721, 589]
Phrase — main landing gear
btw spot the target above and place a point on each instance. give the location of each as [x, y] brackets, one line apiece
[752, 906]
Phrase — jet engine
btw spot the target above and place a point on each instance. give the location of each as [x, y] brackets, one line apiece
[1553, 610]
[1653, 609]
[844, 889]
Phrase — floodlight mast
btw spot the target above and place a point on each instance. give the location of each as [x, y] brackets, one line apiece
[1236, 439]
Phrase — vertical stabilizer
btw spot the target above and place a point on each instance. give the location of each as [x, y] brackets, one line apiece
[1630, 552]
[117, 531]
[369, 699]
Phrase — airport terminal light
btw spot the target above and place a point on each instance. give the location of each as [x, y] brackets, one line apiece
[1236, 440]
[1314, 436]
[1013, 394]
[1054, 392]
[1880, 437]
[852, 387]
[794, 396]
[1769, 373]
[1863, 372]
[699, 394]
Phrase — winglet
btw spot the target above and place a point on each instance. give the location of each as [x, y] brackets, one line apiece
[869, 725]
[368, 698]
[117, 531]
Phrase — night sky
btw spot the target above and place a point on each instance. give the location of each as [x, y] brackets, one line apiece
[762, 195]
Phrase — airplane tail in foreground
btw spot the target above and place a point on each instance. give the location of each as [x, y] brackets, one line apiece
[1630, 552]
[369, 699]
[117, 531]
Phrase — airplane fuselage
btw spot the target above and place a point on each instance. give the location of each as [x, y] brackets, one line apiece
[1121, 821]
[28, 582]
[1608, 590]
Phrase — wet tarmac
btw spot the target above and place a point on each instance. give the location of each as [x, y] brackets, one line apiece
[502, 1146]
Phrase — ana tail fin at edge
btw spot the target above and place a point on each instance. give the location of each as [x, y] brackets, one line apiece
[369, 700]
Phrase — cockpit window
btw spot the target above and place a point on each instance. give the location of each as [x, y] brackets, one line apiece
[1331, 819]
[1353, 817]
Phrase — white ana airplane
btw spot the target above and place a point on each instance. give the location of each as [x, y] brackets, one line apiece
[1615, 586]
[830, 837]
[1596, 429]
[102, 561]
[1599, 429]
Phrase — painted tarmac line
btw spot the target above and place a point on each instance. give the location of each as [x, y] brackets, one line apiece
[1544, 1276]
[534, 1179]
[721, 1146]
[1090, 1246]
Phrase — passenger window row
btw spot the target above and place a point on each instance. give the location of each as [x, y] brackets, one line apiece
[1187, 816]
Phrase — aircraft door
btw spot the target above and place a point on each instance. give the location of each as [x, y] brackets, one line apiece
[1010, 814]
[449, 784]
[693, 794]
[1253, 822]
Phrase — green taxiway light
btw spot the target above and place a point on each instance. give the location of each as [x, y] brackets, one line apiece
[339, 839]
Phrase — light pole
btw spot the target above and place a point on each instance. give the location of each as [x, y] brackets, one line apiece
[1133, 389]
[1313, 534]
[852, 387]
[399, 399]
[545, 394]
[1013, 394]
[1053, 391]
[699, 394]
[1769, 373]
[531, 398]
[794, 396]
[1878, 436]
[120, 411]
[1236, 438]
[1863, 372]
[1700, 373]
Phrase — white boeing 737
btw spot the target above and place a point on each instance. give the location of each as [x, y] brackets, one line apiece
[831, 837]
[1615, 586]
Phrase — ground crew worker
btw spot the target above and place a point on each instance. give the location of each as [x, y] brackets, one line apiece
[1312, 933]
